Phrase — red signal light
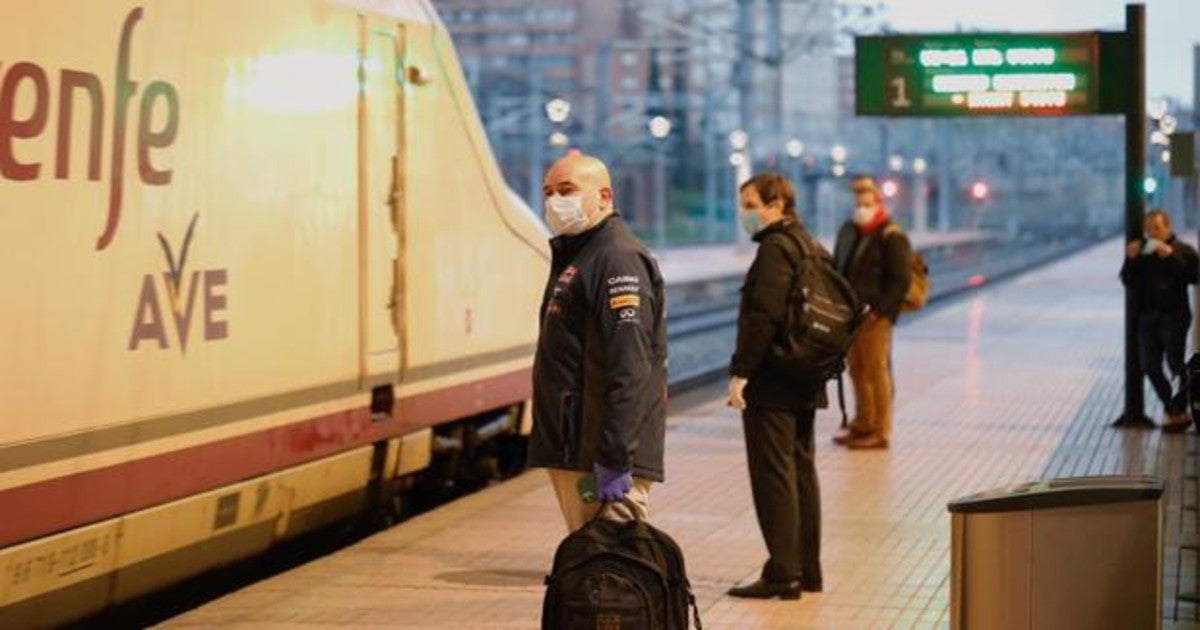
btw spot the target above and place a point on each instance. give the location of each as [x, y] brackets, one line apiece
[979, 191]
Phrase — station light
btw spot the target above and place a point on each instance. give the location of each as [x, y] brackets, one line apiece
[660, 127]
[558, 109]
[1150, 185]
[559, 139]
[919, 165]
[794, 147]
[890, 188]
[979, 190]
[738, 139]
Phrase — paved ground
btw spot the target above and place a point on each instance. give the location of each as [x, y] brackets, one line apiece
[1013, 383]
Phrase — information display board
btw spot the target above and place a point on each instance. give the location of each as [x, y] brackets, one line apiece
[1038, 74]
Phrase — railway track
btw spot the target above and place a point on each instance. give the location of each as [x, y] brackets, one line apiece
[701, 336]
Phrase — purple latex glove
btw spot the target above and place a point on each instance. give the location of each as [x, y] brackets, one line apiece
[612, 485]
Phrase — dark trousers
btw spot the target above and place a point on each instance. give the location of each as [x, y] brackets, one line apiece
[787, 499]
[1162, 334]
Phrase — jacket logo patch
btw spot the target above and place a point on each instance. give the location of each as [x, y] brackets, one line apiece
[624, 301]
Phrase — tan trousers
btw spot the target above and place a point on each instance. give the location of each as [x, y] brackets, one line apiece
[635, 505]
[872, 378]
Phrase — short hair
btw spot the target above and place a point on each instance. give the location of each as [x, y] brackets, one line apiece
[1159, 213]
[864, 185]
[773, 187]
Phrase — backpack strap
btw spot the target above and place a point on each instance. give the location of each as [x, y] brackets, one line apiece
[842, 400]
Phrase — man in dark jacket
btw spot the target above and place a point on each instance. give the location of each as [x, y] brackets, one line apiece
[599, 375]
[873, 254]
[777, 411]
[1159, 270]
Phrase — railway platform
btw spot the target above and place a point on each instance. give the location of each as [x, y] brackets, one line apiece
[1013, 382]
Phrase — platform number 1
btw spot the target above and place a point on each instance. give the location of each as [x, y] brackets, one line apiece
[901, 96]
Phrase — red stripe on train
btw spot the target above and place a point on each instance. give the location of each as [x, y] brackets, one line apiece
[63, 503]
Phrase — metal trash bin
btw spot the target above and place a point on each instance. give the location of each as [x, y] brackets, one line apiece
[1080, 552]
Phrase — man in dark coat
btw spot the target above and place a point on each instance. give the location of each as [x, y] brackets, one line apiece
[1159, 270]
[874, 255]
[777, 411]
[599, 375]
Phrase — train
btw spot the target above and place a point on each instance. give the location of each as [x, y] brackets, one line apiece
[260, 263]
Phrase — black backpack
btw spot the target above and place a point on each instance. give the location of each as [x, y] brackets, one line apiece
[823, 317]
[622, 575]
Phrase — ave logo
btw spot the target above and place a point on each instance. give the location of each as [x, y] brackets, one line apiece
[193, 300]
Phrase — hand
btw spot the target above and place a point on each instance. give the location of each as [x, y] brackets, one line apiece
[1134, 248]
[737, 385]
[1163, 250]
[612, 485]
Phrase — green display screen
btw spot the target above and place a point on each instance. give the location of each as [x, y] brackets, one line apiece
[1042, 74]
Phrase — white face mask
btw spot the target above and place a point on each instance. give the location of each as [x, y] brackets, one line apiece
[863, 215]
[565, 215]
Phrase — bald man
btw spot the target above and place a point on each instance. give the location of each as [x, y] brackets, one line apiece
[599, 376]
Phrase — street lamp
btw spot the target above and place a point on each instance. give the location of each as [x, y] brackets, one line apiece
[559, 139]
[660, 128]
[738, 139]
[794, 148]
[896, 163]
[838, 170]
[920, 196]
[838, 153]
[558, 109]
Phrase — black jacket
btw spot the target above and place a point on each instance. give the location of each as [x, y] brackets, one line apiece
[877, 266]
[600, 374]
[765, 294]
[1160, 284]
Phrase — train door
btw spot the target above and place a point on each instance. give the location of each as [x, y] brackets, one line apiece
[381, 201]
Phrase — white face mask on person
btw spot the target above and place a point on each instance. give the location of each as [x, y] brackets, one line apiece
[565, 214]
[752, 223]
[864, 215]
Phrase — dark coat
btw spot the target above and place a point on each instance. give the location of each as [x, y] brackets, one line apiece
[1160, 284]
[876, 264]
[600, 374]
[765, 293]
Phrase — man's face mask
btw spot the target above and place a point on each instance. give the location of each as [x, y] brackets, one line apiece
[864, 214]
[565, 214]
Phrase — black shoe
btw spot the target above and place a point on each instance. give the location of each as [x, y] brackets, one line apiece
[761, 589]
[1134, 423]
[810, 587]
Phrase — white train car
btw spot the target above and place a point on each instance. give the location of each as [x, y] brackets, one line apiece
[254, 252]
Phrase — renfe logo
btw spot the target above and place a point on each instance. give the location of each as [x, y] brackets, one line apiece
[148, 323]
[30, 76]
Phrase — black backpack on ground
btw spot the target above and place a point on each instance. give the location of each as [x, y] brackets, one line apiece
[625, 575]
[822, 320]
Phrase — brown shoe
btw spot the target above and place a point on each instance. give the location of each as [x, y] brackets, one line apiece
[872, 441]
[1175, 423]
